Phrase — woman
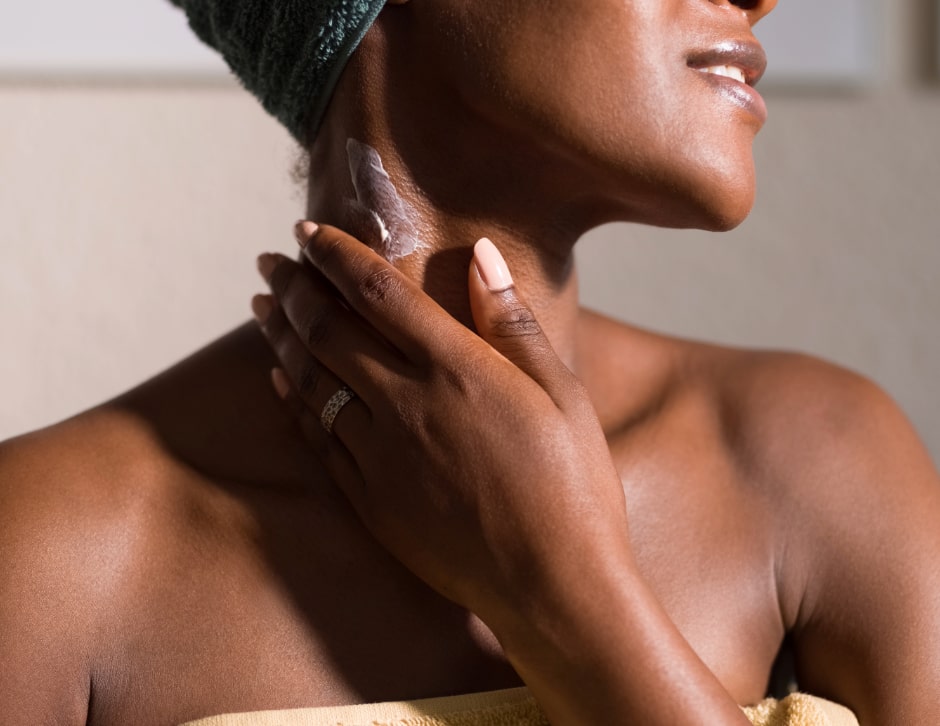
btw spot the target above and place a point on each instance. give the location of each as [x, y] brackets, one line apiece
[183, 551]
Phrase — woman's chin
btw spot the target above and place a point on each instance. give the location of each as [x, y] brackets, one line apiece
[723, 202]
[700, 210]
[714, 198]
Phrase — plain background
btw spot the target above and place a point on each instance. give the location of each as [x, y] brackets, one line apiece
[132, 214]
[65, 39]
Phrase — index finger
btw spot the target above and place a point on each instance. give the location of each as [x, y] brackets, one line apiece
[392, 303]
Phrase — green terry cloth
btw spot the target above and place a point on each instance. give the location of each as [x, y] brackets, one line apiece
[288, 53]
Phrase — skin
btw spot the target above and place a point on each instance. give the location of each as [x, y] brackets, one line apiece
[184, 550]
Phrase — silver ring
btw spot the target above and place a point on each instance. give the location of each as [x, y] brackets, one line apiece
[332, 408]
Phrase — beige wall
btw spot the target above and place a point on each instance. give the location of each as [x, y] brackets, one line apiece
[131, 220]
[132, 215]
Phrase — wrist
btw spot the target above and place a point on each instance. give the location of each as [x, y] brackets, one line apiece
[559, 611]
[602, 650]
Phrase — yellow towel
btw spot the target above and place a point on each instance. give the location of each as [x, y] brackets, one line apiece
[514, 707]
[800, 710]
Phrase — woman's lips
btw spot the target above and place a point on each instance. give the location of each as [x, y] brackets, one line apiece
[733, 68]
[738, 93]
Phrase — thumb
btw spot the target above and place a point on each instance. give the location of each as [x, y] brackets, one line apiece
[504, 320]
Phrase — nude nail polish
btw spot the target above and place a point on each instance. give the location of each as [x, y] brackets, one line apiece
[304, 230]
[491, 266]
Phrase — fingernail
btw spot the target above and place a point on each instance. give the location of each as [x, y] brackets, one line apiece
[491, 266]
[262, 306]
[266, 265]
[280, 382]
[304, 230]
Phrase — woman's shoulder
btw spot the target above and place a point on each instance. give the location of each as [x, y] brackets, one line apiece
[75, 500]
[82, 504]
[779, 407]
[799, 430]
[810, 426]
[195, 439]
[852, 492]
[854, 499]
[97, 459]
[102, 499]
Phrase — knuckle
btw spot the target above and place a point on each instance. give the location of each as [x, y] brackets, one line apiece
[316, 328]
[457, 381]
[518, 322]
[378, 286]
[309, 378]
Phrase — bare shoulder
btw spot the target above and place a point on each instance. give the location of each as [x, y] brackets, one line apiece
[817, 432]
[795, 423]
[853, 503]
[77, 474]
[73, 504]
[806, 418]
[93, 446]
[857, 502]
[769, 403]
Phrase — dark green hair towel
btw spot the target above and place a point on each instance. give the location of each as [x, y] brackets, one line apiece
[288, 53]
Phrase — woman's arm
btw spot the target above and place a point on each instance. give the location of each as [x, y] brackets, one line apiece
[605, 652]
[866, 540]
[480, 464]
[50, 583]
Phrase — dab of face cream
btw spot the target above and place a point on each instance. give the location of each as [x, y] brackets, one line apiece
[394, 235]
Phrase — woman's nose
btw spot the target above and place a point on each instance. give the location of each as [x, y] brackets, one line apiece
[754, 9]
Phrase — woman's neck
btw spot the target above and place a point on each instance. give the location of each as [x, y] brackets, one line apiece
[361, 186]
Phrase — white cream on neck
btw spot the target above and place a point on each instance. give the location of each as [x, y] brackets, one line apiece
[387, 220]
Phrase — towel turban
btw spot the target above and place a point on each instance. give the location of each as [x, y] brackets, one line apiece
[288, 53]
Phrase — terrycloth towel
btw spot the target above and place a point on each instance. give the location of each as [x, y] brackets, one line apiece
[288, 53]
[514, 707]
[800, 710]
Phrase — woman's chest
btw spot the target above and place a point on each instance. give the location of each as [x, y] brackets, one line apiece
[707, 542]
[310, 611]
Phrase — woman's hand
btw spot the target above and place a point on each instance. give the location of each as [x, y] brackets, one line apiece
[476, 460]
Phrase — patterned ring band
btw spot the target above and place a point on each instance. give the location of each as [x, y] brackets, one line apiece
[339, 399]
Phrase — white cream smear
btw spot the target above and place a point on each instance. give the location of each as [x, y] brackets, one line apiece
[384, 219]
